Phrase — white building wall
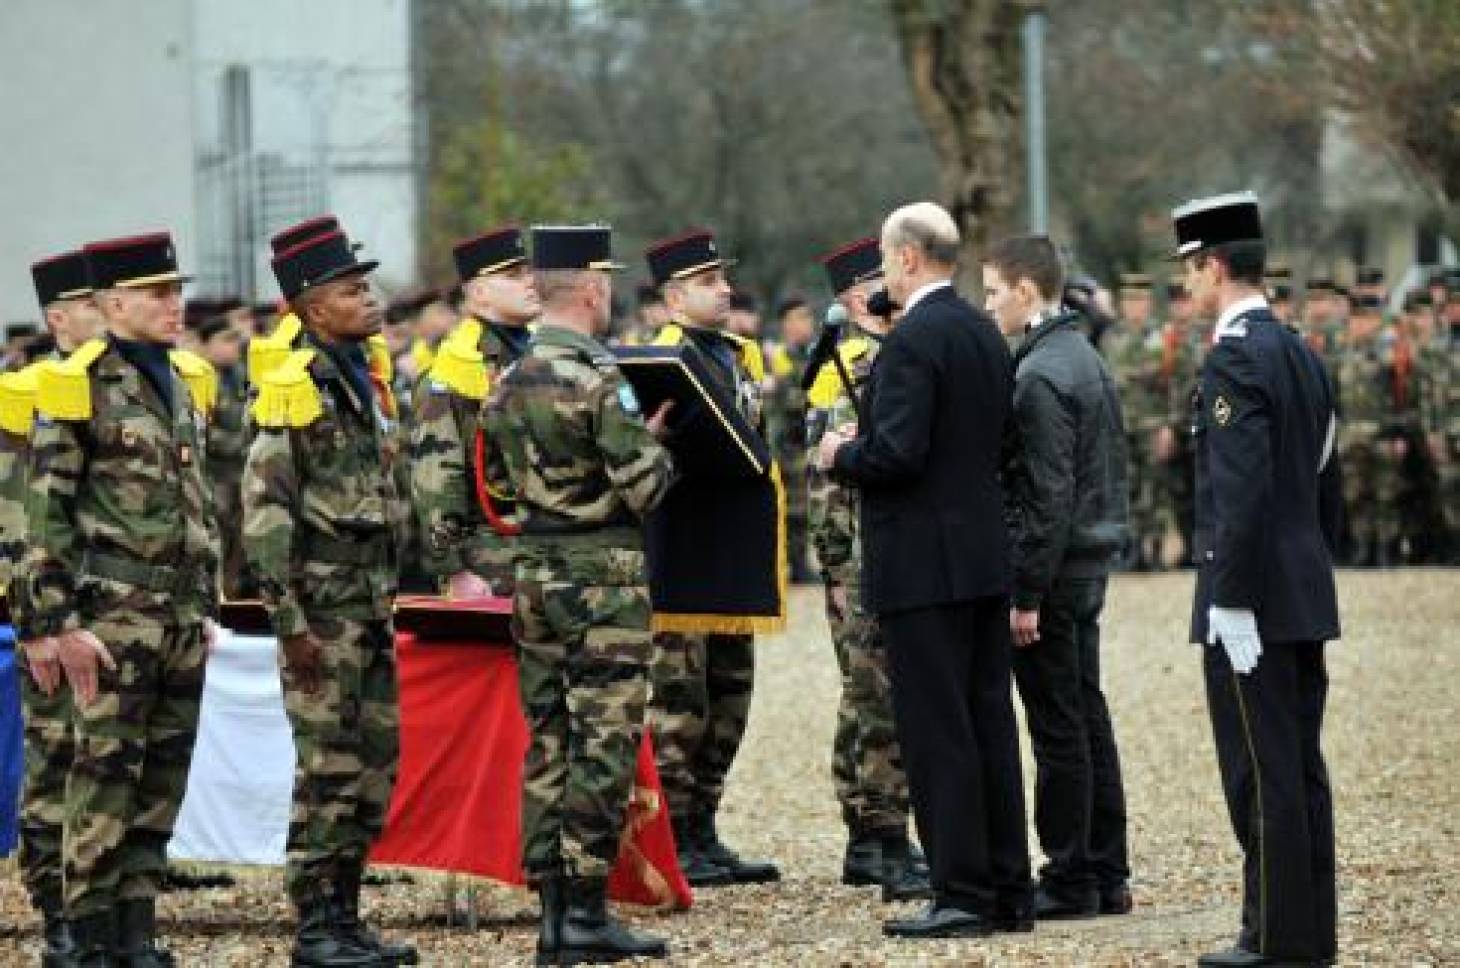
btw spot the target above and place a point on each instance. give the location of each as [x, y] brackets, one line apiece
[97, 122]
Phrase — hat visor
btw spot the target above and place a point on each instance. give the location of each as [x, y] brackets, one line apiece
[142, 282]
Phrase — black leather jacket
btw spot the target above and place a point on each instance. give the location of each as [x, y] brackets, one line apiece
[1065, 460]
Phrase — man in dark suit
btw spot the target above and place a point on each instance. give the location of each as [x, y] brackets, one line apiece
[1268, 499]
[936, 573]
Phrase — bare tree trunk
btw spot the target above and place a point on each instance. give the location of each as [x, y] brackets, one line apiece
[964, 61]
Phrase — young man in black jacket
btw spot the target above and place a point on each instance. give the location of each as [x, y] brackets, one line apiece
[1066, 500]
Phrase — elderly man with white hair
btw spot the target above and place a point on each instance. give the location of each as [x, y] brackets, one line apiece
[936, 573]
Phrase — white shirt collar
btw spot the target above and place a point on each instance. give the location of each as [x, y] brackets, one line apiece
[1045, 313]
[1226, 321]
[923, 291]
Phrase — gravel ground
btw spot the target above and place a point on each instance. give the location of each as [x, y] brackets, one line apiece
[1392, 743]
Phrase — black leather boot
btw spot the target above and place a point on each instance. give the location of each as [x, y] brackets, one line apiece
[552, 892]
[741, 871]
[698, 870]
[60, 947]
[137, 936]
[862, 864]
[353, 928]
[95, 939]
[900, 878]
[319, 943]
[591, 937]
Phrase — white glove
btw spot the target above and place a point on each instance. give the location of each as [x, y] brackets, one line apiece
[1236, 630]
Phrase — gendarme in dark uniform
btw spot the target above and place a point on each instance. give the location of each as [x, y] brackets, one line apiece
[1267, 503]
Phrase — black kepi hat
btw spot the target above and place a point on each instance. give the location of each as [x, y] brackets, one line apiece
[684, 255]
[853, 263]
[133, 262]
[1205, 222]
[493, 251]
[573, 247]
[64, 276]
[315, 259]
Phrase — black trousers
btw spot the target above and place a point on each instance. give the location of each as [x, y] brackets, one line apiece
[1079, 801]
[1267, 726]
[951, 698]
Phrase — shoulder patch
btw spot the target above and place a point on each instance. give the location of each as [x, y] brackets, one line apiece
[267, 353]
[17, 400]
[289, 397]
[458, 364]
[200, 377]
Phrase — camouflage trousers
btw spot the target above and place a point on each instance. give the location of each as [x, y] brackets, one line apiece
[347, 745]
[700, 703]
[866, 764]
[582, 668]
[134, 745]
[1145, 522]
[1372, 480]
[49, 747]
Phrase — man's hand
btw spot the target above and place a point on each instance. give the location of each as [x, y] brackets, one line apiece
[42, 658]
[658, 424]
[1165, 445]
[210, 636]
[831, 442]
[838, 595]
[301, 661]
[1236, 630]
[467, 584]
[1024, 627]
[79, 652]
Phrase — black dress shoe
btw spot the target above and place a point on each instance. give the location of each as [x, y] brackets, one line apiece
[940, 922]
[900, 878]
[713, 850]
[1239, 957]
[1014, 917]
[1116, 899]
[1052, 906]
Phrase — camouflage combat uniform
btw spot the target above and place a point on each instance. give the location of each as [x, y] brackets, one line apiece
[457, 536]
[703, 683]
[227, 450]
[1136, 370]
[49, 740]
[786, 419]
[1438, 399]
[568, 441]
[123, 544]
[866, 764]
[322, 521]
[1372, 475]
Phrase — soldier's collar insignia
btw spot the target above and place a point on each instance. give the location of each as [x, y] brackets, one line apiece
[1222, 410]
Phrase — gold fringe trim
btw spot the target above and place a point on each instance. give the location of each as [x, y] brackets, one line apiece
[459, 364]
[710, 624]
[380, 359]
[17, 401]
[267, 353]
[288, 396]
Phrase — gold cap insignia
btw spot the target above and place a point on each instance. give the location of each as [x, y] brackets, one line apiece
[1222, 410]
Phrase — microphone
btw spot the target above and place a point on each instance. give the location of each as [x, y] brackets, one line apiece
[832, 327]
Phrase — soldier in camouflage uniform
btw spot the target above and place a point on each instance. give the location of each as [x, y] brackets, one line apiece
[321, 526]
[866, 762]
[1370, 458]
[786, 424]
[1136, 376]
[568, 441]
[1184, 341]
[220, 344]
[461, 544]
[703, 682]
[121, 571]
[1440, 417]
[63, 289]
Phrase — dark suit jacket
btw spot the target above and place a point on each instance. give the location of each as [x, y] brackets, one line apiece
[1268, 505]
[927, 460]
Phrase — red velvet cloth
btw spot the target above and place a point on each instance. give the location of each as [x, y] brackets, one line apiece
[458, 797]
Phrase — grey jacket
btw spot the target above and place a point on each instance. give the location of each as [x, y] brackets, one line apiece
[1065, 459]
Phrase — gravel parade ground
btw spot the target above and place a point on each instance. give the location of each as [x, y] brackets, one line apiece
[1393, 746]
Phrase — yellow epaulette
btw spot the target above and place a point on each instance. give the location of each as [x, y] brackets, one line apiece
[459, 365]
[288, 396]
[17, 400]
[672, 334]
[827, 388]
[377, 351]
[63, 388]
[782, 365]
[266, 353]
[423, 354]
[199, 375]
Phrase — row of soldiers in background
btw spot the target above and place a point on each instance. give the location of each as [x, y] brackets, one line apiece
[1399, 439]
